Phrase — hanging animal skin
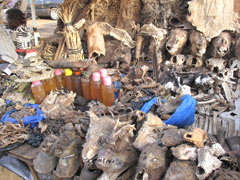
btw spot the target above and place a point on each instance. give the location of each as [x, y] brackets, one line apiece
[176, 41]
[198, 43]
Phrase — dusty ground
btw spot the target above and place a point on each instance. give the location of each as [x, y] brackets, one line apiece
[45, 27]
[5, 174]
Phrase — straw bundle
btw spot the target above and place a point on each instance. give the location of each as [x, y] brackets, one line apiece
[71, 33]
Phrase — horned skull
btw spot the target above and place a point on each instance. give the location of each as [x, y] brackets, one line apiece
[221, 45]
[198, 42]
[176, 41]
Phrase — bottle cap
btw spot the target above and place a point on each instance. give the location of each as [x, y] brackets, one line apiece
[36, 82]
[58, 72]
[103, 72]
[77, 73]
[96, 76]
[107, 81]
[68, 72]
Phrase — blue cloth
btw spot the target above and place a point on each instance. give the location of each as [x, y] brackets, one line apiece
[33, 120]
[184, 114]
[147, 106]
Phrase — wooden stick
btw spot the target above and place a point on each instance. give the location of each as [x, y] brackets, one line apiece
[59, 49]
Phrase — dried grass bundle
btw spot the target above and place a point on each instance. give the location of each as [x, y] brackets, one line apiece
[71, 33]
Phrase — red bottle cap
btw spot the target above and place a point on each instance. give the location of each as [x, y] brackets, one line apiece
[58, 72]
[96, 76]
[36, 82]
[107, 81]
[77, 73]
[103, 72]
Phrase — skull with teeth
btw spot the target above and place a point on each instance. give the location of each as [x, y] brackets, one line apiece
[176, 41]
[216, 64]
[198, 43]
[194, 61]
[221, 45]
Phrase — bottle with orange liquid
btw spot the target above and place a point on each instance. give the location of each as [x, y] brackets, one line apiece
[76, 79]
[95, 86]
[38, 91]
[59, 79]
[107, 91]
[50, 84]
[68, 79]
[86, 91]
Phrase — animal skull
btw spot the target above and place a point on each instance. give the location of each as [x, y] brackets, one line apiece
[221, 45]
[197, 137]
[198, 42]
[216, 64]
[176, 41]
[178, 60]
[194, 61]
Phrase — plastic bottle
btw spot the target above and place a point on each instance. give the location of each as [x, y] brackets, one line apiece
[103, 73]
[76, 79]
[59, 79]
[50, 84]
[68, 79]
[86, 91]
[38, 91]
[107, 91]
[95, 87]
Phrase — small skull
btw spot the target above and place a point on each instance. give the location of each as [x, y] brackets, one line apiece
[221, 45]
[178, 60]
[198, 42]
[216, 64]
[194, 61]
[176, 41]
[197, 137]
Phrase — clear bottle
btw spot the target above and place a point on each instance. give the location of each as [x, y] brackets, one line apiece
[95, 86]
[59, 79]
[38, 91]
[86, 91]
[50, 84]
[68, 79]
[76, 79]
[107, 91]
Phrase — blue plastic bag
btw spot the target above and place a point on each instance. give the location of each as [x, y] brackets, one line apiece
[184, 114]
[33, 120]
[147, 106]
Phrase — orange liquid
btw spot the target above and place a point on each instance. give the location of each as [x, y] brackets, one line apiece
[39, 93]
[59, 82]
[108, 95]
[50, 84]
[77, 84]
[86, 88]
[68, 83]
[96, 90]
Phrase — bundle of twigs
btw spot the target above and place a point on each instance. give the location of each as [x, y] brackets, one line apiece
[71, 33]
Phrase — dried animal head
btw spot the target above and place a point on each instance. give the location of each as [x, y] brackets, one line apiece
[197, 137]
[99, 130]
[193, 61]
[216, 64]
[95, 41]
[150, 132]
[185, 152]
[198, 43]
[152, 163]
[221, 45]
[176, 40]
[178, 60]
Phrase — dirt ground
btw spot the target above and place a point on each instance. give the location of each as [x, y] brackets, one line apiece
[5, 174]
[45, 27]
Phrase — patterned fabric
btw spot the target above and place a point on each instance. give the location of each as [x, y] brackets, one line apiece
[22, 37]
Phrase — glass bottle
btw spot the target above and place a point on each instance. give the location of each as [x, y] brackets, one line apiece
[68, 79]
[59, 79]
[85, 82]
[76, 79]
[95, 86]
[38, 91]
[107, 91]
